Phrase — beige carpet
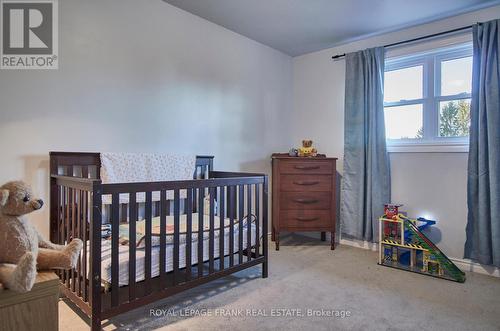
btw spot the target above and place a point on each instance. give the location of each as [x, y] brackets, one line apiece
[304, 275]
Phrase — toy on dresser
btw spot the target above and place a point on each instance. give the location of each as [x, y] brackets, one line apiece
[307, 149]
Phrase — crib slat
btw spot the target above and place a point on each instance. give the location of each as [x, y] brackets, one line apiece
[79, 235]
[232, 211]
[60, 211]
[132, 249]
[69, 171]
[200, 231]
[147, 265]
[222, 231]
[241, 210]
[62, 226]
[257, 221]
[195, 201]
[59, 202]
[115, 234]
[211, 234]
[265, 251]
[85, 171]
[68, 229]
[85, 243]
[176, 235]
[73, 234]
[95, 251]
[163, 238]
[60, 230]
[55, 196]
[189, 232]
[249, 222]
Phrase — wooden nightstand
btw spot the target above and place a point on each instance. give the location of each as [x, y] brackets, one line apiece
[303, 195]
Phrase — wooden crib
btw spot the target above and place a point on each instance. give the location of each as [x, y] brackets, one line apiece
[76, 196]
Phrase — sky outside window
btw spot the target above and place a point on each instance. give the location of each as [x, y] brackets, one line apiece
[403, 122]
[456, 76]
[403, 84]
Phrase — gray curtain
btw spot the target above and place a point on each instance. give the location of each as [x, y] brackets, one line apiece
[366, 184]
[483, 183]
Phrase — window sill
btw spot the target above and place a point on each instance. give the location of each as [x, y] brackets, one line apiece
[428, 148]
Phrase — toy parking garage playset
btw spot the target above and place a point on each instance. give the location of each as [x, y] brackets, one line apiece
[402, 245]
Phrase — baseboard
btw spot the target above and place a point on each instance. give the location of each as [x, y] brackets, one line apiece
[463, 264]
[468, 265]
[359, 244]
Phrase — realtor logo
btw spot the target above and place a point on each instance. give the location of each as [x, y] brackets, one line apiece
[29, 34]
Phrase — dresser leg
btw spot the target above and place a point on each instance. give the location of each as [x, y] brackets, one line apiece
[332, 241]
[323, 236]
[277, 240]
[273, 234]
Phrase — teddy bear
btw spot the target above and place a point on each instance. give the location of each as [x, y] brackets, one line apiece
[307, 149]
[23, 250]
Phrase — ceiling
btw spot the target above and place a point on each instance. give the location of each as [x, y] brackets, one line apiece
[297, 27]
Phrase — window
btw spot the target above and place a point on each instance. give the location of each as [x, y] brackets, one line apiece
[427, 98]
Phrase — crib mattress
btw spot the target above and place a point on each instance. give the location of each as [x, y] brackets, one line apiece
[155, 252]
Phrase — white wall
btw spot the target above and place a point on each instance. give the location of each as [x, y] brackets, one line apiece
[144, 76]
[431, 184]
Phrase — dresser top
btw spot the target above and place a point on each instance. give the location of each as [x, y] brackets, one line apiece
[285, 156]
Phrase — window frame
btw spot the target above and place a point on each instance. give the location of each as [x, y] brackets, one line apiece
[431, 62]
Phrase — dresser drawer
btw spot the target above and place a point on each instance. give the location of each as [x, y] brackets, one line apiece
[306, 167]
[305, 218]
[306, 183]
[305, 200]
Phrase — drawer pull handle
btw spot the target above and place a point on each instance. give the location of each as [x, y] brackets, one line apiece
[307, 219]
[306, 201]
[306, 183]
[306, 167]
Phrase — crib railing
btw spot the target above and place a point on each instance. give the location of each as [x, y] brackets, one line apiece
[75, 213]
[77, 202]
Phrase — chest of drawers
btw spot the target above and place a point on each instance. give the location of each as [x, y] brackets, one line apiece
[303, 195]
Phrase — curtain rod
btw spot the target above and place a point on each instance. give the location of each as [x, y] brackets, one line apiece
[335, 57]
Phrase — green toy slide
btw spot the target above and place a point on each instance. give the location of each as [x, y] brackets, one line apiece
[451, 270]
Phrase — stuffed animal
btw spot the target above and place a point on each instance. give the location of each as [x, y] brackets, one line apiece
[22, 249]
[307, 149]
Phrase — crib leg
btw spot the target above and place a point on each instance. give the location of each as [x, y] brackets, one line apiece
[95, 322]
[264, 269]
